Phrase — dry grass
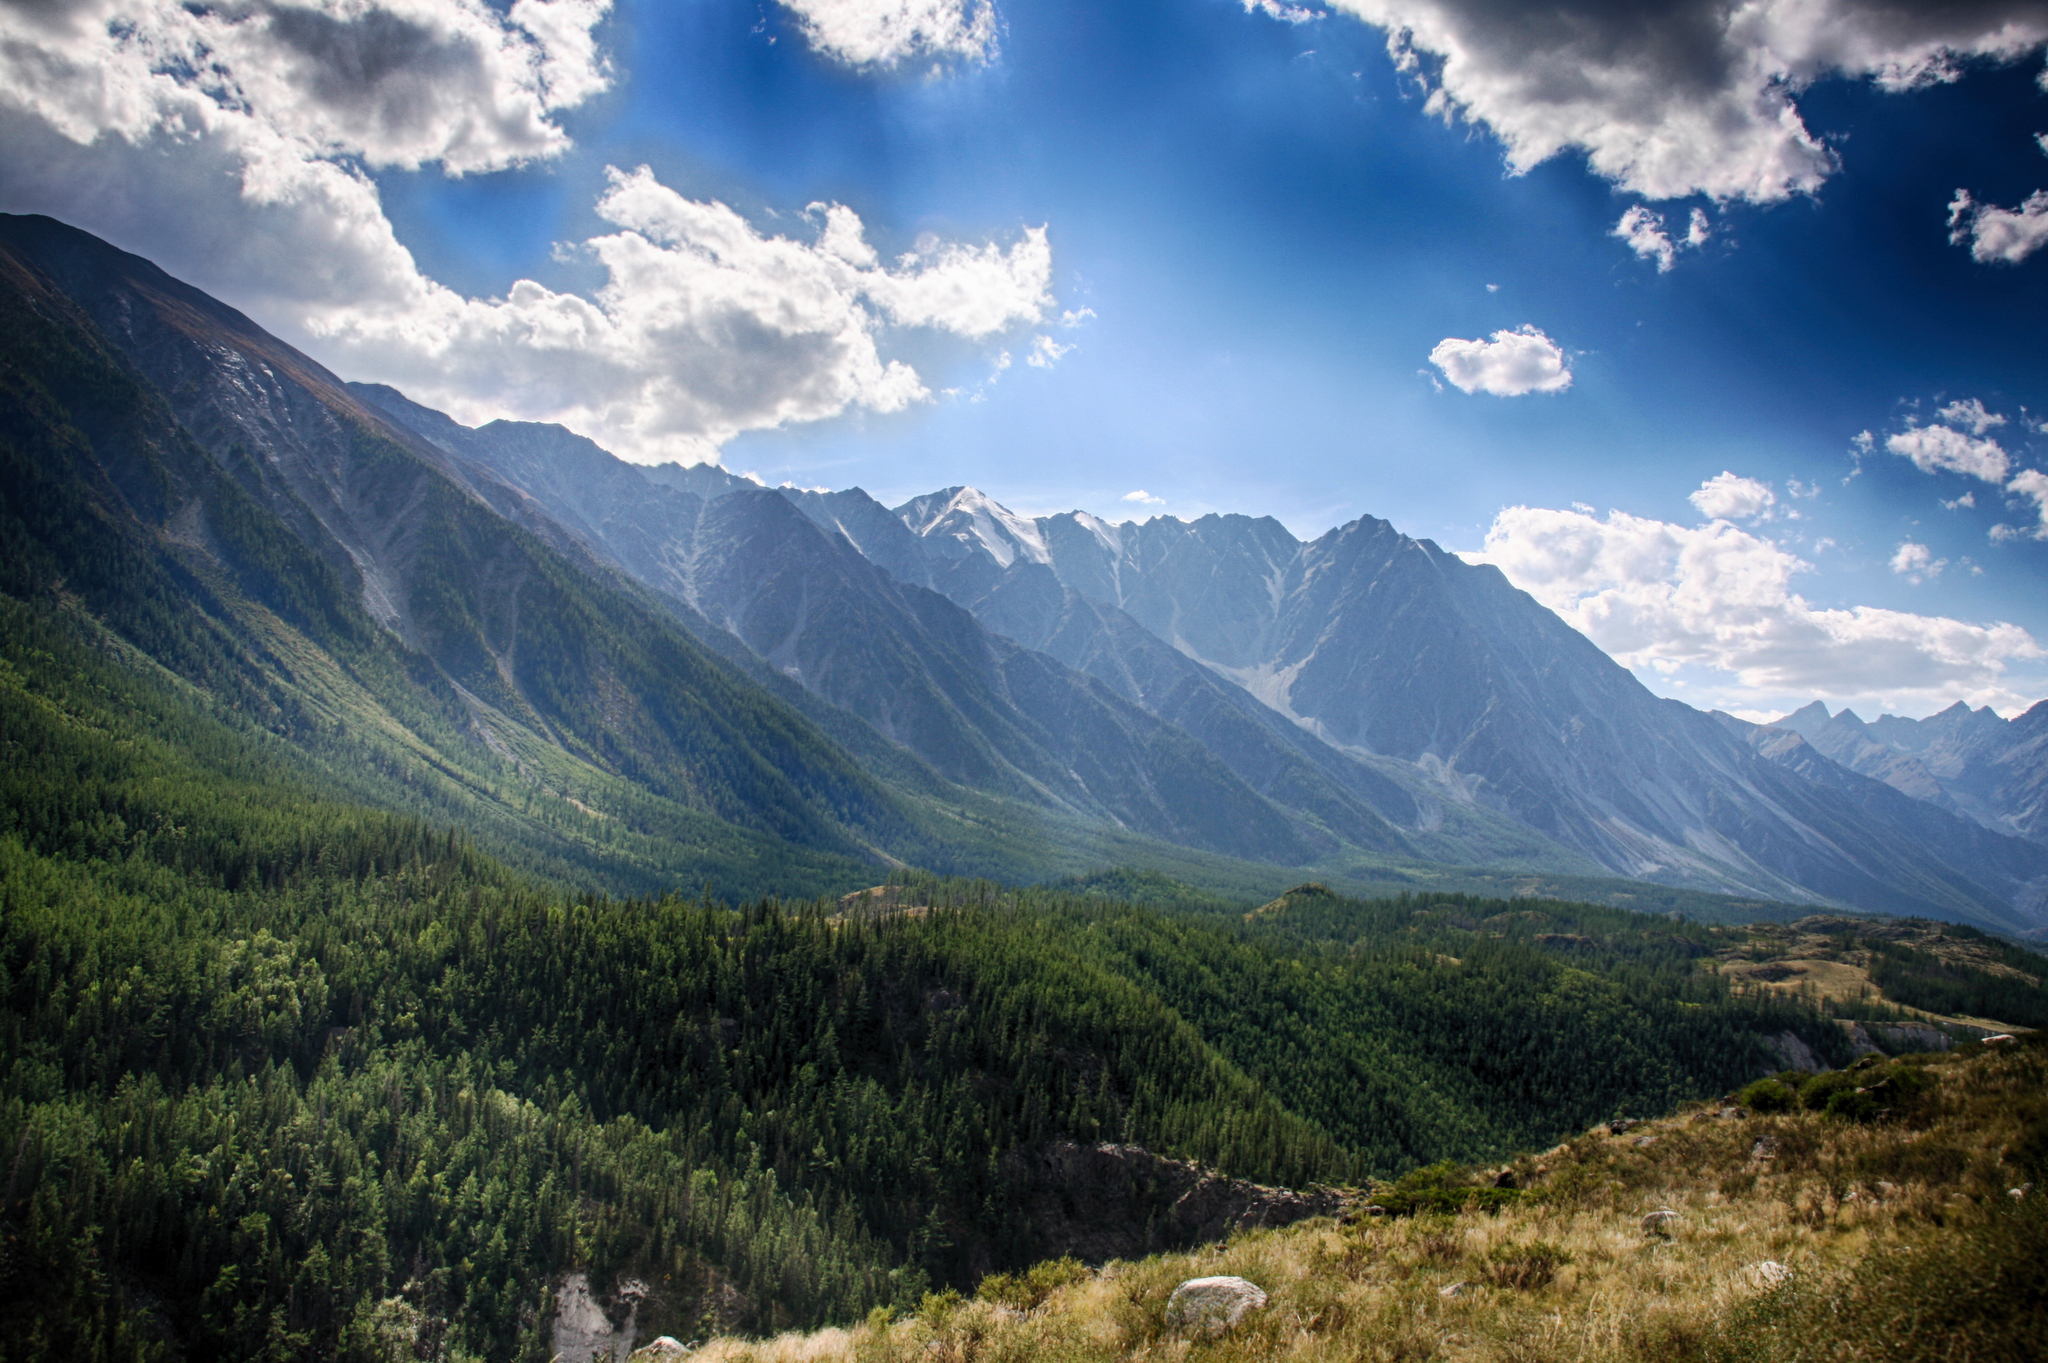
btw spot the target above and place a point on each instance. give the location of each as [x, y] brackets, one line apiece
[1572, 1273]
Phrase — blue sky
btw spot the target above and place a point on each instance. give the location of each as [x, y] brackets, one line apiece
[1258, 228]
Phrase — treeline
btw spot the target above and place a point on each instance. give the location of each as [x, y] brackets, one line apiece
[1920, 979]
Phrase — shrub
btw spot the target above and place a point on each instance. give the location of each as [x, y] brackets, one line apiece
[1023, 1291]
[1768, 1095]
[1444, 1189]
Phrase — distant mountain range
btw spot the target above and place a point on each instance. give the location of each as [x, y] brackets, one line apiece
[694, 675]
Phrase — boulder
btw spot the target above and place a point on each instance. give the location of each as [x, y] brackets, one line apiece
[1209, 1306]
[661, 1350]
[1766, 1147]
[1659, 1221]
[1771, 1273]
[1455, 1290]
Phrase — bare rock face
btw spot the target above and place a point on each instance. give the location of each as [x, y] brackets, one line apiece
[1101, 1202]
[584, 1331]
[1210, 1306]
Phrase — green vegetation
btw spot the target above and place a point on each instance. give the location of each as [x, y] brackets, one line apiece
[1918, 979]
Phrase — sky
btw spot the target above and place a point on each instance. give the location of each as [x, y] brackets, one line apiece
[1715, 326]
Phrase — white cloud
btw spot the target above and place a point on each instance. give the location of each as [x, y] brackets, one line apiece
[1727, 497]
[1941, 449]
[1281, 10]
[1675, 97]
[1999, 236]
[882, 33]
[396, 83]
[1912, 560]
[228, 146]
[1967, 500]
[704, 328]
[2033, 484]
[1075, 317]
[1045, 352]
[1970, 414]
[1509, 365]
[1644, 232]
[1698, 230]
[1143, 498]
[1720, 600]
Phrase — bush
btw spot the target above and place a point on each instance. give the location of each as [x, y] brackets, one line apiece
[1023, 1291]
[1768, 1095]
[1444, 1189]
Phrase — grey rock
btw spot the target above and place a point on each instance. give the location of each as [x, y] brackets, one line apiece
[1456, 1290]
[1659, 1221]
[1210, 1306]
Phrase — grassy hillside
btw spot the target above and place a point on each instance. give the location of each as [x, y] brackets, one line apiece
[1798, 1237]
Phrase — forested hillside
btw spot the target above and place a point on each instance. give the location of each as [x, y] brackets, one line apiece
[280, 1069]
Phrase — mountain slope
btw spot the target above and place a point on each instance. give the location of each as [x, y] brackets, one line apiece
[264, 536]
[1388, 648]
[983, 711]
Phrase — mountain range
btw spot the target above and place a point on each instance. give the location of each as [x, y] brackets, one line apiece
[649, 675]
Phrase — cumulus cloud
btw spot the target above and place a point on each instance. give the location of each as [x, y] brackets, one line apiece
[2033, 485]
[1644, 232]
[1970, 414]
[1675, 97]
[400, 83]
[1143, 498]
[705, 327]
[1717, 597]
[1510, 364]
[1281, 10]
[1913, 560]
[884, 33]
[1999, 236]
[229, 145]
[1943, 449]
[1045, 352]
[1728, 497]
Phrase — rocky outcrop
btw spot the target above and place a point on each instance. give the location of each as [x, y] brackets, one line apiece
[1210, 1306]
[1101, 1202]
[584, 1331]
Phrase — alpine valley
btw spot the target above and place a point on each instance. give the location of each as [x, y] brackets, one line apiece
[465, 895]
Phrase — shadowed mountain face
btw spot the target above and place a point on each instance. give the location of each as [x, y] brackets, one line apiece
[298, 556]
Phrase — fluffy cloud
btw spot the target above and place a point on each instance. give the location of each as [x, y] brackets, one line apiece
[1281, 10]
[400, 83]
[2033, 485]
[1675, 97]
[1143, 498]
[1943, 449]
[1999, 236]
[1644, 232]
[1718, 598]
[704, 328]
[881, 33]
[1912, 560]
[1727, 497]
[229, 145]
[1509, 365]
[1045, 352]
[1970, 414]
